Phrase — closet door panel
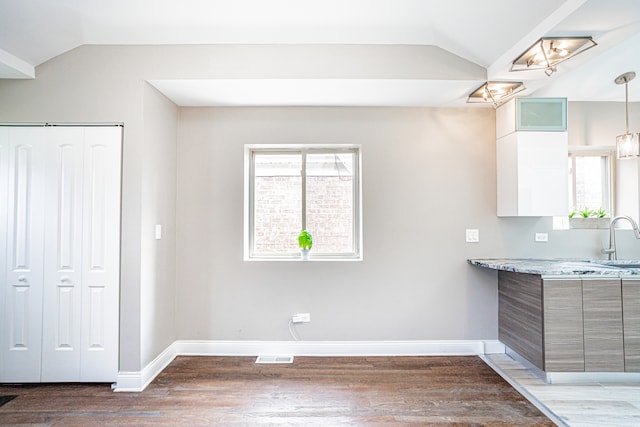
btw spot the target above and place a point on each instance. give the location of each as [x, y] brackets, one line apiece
[63, 255]
[101, 249]
[21, 340]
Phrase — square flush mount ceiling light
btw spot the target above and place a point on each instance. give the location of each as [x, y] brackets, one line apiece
[495, 92]
[547, 52]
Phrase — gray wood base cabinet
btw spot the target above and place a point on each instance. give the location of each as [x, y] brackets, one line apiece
[631, 321]
[571, 325]
[602, 314]
[563, 326]
[520, 315]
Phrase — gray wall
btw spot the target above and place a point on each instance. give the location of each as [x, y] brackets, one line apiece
[598, 123]
[426, 175]
[158, 257]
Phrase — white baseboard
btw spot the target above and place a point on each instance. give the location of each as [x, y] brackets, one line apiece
[337, 348]
[493, 347]
[138, 381]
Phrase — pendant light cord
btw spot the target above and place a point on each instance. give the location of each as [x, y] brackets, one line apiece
[626, 103]
[626, 78]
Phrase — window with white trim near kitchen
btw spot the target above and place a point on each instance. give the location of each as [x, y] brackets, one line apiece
[290, 188]
[591, 192]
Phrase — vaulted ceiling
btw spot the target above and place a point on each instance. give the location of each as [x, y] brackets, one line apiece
[489, 33]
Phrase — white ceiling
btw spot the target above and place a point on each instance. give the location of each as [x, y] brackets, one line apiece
[490, 33]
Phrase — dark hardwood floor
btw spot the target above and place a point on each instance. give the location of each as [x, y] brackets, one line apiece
[322, 391]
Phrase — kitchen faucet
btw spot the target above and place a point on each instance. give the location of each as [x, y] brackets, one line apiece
[612, 235]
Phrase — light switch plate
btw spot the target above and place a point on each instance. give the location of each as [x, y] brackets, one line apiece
[473, 235]
[158, 231]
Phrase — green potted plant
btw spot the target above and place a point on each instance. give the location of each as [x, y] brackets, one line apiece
[589, 218]
[586, 212]
[600, 213]
[305, 241]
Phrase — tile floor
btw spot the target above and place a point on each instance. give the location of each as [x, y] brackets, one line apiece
[573, 404]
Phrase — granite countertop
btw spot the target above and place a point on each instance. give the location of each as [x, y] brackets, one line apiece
[559, 266]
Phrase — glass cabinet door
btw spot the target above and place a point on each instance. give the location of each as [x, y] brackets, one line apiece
[541, 114]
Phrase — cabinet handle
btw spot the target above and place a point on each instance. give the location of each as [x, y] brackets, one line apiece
[22, 278]
[65, 279]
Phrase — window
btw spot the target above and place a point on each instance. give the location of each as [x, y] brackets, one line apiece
[590, 173]
[291, 188]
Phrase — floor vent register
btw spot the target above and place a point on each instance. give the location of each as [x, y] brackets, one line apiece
[274, 359]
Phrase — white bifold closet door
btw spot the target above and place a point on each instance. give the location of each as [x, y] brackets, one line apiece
[23, 165]
[69, 188]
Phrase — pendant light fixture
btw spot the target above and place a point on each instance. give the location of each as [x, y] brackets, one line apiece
[628, 144]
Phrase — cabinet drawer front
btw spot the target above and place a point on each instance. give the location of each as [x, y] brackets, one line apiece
[520, 314]
[631, 313]
[563, 330]
[602, 310]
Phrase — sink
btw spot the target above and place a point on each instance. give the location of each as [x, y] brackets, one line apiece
[634, 265]
[618, 263]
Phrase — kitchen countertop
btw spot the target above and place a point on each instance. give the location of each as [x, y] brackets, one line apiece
[558, 266]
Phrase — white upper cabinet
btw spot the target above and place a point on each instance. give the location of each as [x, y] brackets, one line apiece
[532, 174]
[531, 157]
[506, 118]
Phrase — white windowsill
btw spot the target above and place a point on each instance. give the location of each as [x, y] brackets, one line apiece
[299, 259]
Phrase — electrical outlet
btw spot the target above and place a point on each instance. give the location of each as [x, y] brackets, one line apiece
[542, 237]
[301, 318]
[473, 235]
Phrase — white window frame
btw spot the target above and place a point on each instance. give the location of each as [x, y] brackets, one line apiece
[609, 153]
[251, 150]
